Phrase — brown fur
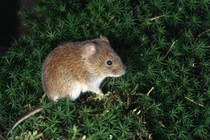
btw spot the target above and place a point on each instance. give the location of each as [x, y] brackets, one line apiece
[72, 66]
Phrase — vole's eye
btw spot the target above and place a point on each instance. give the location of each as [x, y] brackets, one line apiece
[109, 62]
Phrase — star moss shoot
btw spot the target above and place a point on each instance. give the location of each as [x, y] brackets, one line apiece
[165, 93]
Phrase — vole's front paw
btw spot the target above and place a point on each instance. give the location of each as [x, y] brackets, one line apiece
[100, 96]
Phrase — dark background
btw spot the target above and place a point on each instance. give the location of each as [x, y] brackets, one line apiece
[10, 25]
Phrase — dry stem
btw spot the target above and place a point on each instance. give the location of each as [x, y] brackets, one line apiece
[191, 100]
[152, 88]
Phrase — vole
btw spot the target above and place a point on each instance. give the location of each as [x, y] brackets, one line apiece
[77, 67]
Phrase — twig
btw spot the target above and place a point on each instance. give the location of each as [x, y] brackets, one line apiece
[191, 100]
[135, 88]
[191, 35]
[172, 45]
[161, 124]
[152, 88]
[203, 33]
[139, 111]
[157, 17]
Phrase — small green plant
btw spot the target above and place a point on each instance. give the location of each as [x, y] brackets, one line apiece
[165, 93]
[29, 136]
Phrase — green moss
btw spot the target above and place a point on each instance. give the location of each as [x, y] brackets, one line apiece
[164, 95]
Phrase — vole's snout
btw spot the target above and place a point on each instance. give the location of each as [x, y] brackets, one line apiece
[119, 71]
[123, 70]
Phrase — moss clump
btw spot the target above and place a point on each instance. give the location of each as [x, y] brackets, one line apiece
[164, 95]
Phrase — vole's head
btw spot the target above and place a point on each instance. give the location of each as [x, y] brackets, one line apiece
[101, 60]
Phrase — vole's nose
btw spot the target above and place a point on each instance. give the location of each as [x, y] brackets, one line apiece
[123, 70]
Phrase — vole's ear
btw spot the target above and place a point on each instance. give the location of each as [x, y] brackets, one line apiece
[104, 38]
[88, 51]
